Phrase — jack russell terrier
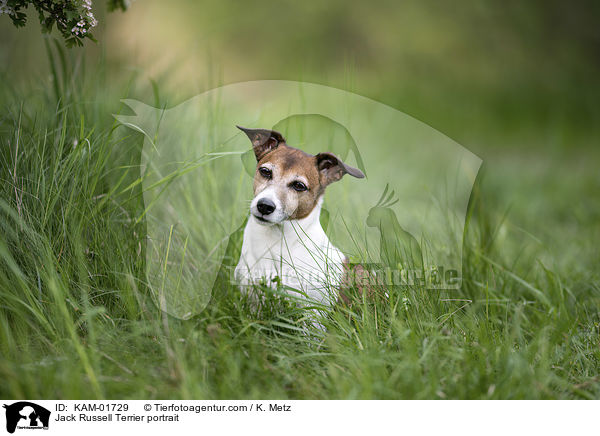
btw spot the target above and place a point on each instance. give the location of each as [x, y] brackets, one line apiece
[284, 243]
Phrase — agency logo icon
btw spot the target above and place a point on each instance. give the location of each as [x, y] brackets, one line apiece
[26, 415]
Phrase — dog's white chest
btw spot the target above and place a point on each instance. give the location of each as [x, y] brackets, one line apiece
[297, 254]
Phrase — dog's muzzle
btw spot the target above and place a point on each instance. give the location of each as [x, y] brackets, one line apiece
[265, 206]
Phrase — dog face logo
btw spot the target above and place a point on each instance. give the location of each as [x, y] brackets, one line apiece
[26, 415]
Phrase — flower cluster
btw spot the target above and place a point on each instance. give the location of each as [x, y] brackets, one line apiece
[74, 19]
[5, 9]
[87, 20]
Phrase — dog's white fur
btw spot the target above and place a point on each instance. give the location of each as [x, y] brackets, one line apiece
[284, 243]
[298, 252]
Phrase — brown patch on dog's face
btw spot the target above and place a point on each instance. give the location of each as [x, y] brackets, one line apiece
[289, 182]
[294, 177]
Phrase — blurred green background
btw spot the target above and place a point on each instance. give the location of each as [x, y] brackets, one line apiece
[486, 73]
[517, 83]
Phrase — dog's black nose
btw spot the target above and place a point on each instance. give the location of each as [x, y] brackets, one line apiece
[265, 206]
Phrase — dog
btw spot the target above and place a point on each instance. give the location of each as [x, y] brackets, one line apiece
[284, 244]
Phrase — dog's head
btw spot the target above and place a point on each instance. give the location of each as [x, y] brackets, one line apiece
[288, 182]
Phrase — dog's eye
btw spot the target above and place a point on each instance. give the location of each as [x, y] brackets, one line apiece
[265, 172]
[298, 186]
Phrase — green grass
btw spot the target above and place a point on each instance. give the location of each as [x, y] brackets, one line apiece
[77, 320]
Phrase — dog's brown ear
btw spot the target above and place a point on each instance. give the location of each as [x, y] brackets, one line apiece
[333, 169]
[263, 141]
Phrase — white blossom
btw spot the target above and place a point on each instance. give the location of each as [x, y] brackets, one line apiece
[5, 9]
